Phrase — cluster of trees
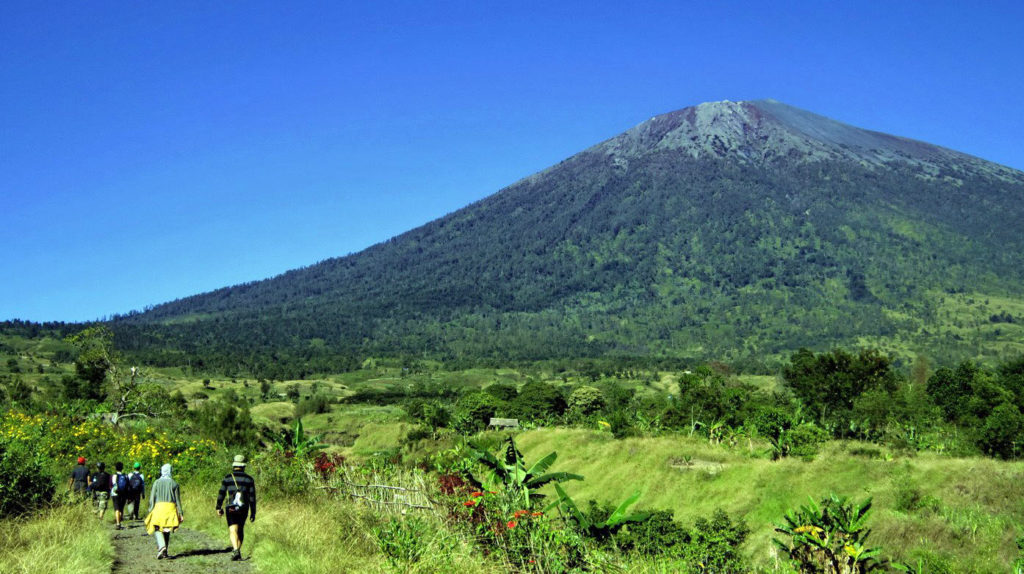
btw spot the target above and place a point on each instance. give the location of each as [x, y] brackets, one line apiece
[835, 394]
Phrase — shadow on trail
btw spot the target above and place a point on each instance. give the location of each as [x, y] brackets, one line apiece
[203, 552]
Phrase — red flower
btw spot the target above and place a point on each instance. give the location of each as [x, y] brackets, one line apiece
[511, 524]
[520, 513]
[469, 503]
[536, 514]
[476, 494]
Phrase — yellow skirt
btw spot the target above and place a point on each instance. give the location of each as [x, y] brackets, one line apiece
[163, 515]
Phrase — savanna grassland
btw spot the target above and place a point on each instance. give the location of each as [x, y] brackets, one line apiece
[392, 468]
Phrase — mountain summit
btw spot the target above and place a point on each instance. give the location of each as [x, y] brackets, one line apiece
[763, 131]
[729, 230]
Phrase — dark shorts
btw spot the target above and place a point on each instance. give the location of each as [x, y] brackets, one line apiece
[237, 516]
[119, 502]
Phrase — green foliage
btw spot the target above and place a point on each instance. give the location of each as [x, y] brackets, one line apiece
[24, 482]
[1001, 436]
[299, 444]
[601, 527]
[226, 423]
[510, 474]
[802, 441]
[539, 401]
[715, 545]
[585, 401]
[474, 411]
[829, 537]
[401, 540]
[658, 535]
[829, 384]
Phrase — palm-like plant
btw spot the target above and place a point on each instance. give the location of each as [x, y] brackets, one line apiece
[830, 537]
[607, 527]
[511, 475]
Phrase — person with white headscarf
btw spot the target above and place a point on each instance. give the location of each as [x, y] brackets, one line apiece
[165, 510]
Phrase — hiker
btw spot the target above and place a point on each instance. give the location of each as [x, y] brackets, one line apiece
[136, 491]
[240, 491]
[78, 484]
[165, 510]
[100, 487]
[119, 491]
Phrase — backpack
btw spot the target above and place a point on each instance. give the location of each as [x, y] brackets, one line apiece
[100, 483]
[237, 502]
[120, 485]
[135, 484]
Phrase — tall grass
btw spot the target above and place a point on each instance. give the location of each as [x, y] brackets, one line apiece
[970, 523]
[62, 540]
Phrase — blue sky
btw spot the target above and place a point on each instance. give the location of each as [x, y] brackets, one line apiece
[150, 151]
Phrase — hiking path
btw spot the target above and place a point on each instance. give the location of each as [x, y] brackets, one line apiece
[191, 552]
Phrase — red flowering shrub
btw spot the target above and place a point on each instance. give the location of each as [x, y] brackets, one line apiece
[327, 464]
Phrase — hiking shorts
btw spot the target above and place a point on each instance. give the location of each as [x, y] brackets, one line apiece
[119, 502]
[101, 500]
[237, 516]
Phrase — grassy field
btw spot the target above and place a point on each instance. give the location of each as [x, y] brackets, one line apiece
[964, 513]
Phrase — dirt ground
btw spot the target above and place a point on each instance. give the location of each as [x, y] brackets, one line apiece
[191, 552]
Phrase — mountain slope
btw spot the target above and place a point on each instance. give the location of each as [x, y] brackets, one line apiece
[736, 230]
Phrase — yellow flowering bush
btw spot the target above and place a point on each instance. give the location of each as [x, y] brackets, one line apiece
[60, 438]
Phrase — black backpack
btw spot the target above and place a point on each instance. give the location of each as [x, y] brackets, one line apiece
[135, 484]
[100, 482]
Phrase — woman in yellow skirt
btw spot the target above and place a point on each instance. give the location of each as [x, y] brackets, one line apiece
[165, 510]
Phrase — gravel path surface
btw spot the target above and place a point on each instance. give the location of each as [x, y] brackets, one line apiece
[191, 552]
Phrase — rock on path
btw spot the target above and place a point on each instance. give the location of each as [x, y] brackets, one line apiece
[191, 551]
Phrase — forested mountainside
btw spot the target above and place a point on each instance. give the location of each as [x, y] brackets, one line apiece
[730, 230]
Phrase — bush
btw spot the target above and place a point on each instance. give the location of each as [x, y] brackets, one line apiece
[24, 485]
[803, 441]
[715, 544]
[659, 535]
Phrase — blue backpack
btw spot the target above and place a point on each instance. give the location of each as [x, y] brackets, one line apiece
[121, 487]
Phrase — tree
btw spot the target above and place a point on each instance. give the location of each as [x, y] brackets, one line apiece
[1002, 431]
[539, 400]
[829, 383]
[586, 400]
[98, 366]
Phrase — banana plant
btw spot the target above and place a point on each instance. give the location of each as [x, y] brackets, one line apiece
[830, 537]
[510, 473]
[300, 443]
[607, 527]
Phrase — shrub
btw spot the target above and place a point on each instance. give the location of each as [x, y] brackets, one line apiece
[402, 541]
[715, 543]
[803, 441]
[24, 484]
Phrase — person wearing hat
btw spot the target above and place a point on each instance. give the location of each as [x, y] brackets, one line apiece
[239, 489]
[100, 487]
[78, 484]
[136, 491]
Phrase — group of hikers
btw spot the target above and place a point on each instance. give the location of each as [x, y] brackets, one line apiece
[166, 513]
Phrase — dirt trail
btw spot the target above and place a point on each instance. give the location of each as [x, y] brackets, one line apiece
[191, 552]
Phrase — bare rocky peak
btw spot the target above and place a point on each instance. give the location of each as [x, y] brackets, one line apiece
[765, 131]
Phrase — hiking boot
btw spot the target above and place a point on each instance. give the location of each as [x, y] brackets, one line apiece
[236, 555]
[162, 553]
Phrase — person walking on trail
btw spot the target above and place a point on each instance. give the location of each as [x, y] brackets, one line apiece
[136, 491]
[78, 484]
[100, 487]
[240, 491]
[119, 491]
[165, 510]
